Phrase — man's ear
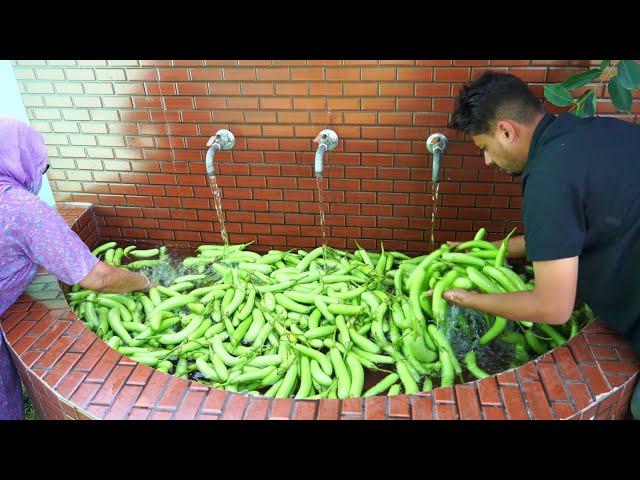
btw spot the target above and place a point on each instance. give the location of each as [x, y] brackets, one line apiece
[506, 131]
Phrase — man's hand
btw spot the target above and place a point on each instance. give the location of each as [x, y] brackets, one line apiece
[210, 141]
[455, 295]
[459, 296]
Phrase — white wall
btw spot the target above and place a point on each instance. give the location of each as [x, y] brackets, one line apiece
[11, 106]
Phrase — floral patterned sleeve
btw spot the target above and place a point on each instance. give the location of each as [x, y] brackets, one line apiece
[48, 241]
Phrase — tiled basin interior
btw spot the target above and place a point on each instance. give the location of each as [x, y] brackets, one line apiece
[72, 374]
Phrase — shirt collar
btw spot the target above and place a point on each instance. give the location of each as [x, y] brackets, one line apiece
[537, 134]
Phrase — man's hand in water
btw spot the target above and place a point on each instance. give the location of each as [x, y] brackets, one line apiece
[456, 295]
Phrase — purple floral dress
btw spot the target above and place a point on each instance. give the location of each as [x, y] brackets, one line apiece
[32, 234]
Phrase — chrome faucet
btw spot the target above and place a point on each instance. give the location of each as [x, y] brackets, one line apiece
[224, 140]
[328, 140]
[436, 144]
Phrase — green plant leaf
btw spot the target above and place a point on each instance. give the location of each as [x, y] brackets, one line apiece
[585, 104]
[620, 96]
[558, 95]
[629, 74]
[604, 64]
[581, 79]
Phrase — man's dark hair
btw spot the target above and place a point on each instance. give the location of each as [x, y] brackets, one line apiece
[491, 97]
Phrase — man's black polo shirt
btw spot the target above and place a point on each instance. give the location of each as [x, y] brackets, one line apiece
[581, 190]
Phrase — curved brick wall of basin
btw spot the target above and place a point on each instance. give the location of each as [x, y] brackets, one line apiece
[72, 374]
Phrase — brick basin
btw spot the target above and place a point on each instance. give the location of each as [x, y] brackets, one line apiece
[72, 374]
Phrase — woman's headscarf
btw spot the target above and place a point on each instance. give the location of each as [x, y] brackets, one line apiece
[23, 156]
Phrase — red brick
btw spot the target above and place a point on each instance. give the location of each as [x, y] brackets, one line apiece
[140, 375]
[362, 118]
[444, 395]
[445, 411]
[370, 74]
[528, 372]
[189, 406]
[161, 415]
[493, 413]
[451, 74]
[152, 389]
[97, 411]
[398, 406]
[378, 104]
[514, 403]
[122, 403]
[566, 364]
[258, 409]
[374, 408]
[467, 400]
[537, 401]
[552, 382]
[328, 409]
[415, 74]
[215, 401]
[351, 406]
[22, 345]
[305, 410]
[345, 74]
[432, 89]
[138, 414]
[421, 407]
[360, 89]
[84, 393]
[307, 74]
[281, 409]
[626, 369]
[563, 410]
[175, 391]
[580, 395]
[103, 366]
[235, 407]
[113, 383]
[60, 369]
[70, 382]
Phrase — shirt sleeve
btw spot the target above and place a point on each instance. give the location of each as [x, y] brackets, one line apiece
[49, 242]
[553, 217]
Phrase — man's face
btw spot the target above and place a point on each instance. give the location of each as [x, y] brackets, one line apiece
[502, 148]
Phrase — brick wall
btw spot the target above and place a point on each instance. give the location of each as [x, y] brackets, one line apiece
[129, 136]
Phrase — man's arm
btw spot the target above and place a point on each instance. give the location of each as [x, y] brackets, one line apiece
[516, 247]
[109, 279]
[551, 301]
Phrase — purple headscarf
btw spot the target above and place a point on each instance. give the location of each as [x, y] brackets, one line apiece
[23, 156]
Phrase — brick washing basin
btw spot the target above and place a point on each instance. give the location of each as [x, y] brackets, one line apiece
[72, 374]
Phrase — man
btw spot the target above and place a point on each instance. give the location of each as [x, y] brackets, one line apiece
[581, 208]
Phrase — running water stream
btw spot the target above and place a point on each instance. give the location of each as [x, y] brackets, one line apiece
[322, 220]
[434, 210]
[217, 199]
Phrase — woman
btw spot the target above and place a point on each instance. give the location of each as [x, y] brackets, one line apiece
[32, 234]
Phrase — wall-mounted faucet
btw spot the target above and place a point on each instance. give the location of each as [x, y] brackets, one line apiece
[436, 144]
[223, 140]
[328, 140]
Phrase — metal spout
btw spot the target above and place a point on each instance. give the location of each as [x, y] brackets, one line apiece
[328, 140]
[224, 140]
[436, 144]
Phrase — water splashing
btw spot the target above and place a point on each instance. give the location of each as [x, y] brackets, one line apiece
[463, 327]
